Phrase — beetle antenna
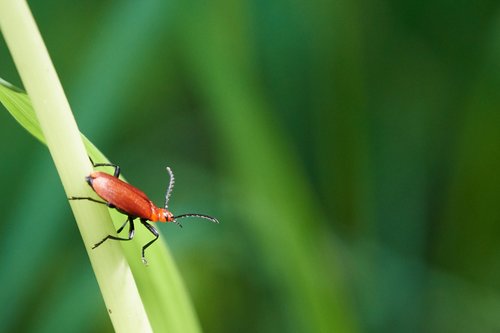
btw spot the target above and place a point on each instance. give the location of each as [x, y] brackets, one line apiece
[170, 187]
[213, 219]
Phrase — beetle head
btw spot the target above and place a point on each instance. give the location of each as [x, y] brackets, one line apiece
[164, 215]
[169, 217]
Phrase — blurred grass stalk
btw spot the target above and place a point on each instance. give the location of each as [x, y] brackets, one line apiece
[66, 147]
[280, 204]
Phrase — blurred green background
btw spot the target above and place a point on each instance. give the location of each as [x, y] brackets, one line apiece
[351, 150]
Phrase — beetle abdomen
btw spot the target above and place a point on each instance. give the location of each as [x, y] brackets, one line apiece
[123, 196]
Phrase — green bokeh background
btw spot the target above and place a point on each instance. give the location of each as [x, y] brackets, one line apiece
[351, 150]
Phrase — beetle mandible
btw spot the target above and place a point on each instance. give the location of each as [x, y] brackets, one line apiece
[132, 202]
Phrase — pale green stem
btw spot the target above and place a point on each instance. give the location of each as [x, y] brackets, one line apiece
[65, 145]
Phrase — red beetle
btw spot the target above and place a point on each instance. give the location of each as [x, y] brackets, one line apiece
[132, 202]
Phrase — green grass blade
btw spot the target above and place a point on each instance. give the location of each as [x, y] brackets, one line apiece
[161, 289]
[19, 106]
[62, 137]
[160, 285]
[284, 224]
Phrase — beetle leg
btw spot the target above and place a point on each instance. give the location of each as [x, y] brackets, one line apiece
[130, 234]
[90, 199]
[123, 226]
[154, 232]
[117, 168]
[110, 205]
[116, 173]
